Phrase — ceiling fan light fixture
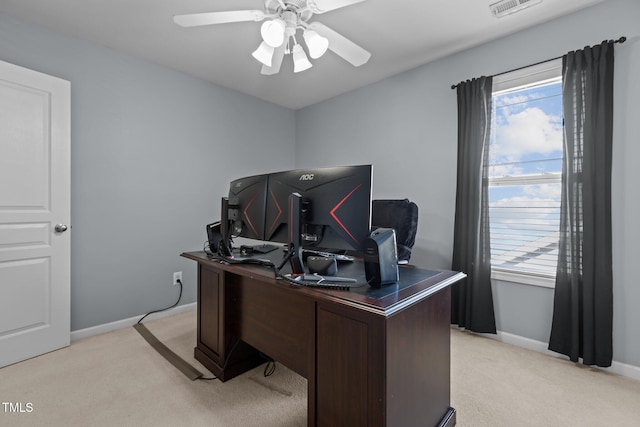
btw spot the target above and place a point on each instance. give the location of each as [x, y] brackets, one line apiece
[300, 60]
[264, 54]
[316, 44]
[280, 22]
[273, 32]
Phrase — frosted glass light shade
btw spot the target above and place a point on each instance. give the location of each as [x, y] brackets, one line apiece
[300, 60]
[264, 54]
[316, 44]
[273, 32]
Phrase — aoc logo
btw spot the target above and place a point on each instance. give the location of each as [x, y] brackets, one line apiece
[306, 177]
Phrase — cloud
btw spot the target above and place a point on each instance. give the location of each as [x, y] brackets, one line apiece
[505, 170]
[528, 131]
[543, 191]
[537, 206]
[511, 104]
[523, 212]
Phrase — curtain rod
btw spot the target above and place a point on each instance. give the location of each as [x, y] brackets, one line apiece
[620, 40]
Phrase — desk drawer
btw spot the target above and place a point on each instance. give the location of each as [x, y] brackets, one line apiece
[274, 319]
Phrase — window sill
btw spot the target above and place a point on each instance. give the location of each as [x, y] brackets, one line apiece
[507, 275]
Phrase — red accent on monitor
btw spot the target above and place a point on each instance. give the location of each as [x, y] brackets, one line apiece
[335, 217]
[246, 215]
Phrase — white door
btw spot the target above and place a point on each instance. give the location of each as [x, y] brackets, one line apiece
[34, 198]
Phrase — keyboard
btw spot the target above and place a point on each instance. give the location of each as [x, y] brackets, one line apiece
[337, 257]
[257, 249]
[265, 248]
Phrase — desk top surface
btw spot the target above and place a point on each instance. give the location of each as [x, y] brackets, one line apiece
[414, 285]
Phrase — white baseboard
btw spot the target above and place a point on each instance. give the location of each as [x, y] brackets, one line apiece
[125, 323]
[619, 368]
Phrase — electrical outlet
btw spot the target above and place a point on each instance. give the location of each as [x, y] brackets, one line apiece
[177, 277]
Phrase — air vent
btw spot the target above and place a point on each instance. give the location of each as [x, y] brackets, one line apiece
[507, 7]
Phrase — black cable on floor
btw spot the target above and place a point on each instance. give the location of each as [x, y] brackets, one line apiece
[166, 308]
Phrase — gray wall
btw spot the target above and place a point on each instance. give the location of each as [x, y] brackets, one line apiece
[153, 150]
[406, 126]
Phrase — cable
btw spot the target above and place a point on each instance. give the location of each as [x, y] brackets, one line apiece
[307, 283]
[286, 258]
[224, 366]
[166, 308]
[276, 269]
[249, 261]
[269, 368]
[322, 284]
[173, 305]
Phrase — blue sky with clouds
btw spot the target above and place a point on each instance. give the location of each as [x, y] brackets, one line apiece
[526, 139]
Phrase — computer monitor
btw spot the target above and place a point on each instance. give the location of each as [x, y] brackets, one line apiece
[247, 206]
[335, 206]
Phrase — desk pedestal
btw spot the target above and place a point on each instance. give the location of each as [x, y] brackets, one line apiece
[368, 363]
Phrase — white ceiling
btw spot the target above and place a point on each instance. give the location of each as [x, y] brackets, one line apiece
[400, 34]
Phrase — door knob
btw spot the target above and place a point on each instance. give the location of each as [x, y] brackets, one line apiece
[60, 228]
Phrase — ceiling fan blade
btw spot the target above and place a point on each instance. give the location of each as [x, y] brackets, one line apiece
[210, 18]
[276, 61]
[341, 45]
[322, 6]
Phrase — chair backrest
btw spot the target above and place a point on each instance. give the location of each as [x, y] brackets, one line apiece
[402, 216]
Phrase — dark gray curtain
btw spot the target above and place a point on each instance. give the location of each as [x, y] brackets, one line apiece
[583, 303]
[471, 299]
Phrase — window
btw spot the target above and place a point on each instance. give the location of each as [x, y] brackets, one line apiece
[525, 171]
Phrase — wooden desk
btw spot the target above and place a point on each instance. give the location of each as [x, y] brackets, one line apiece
[372, 357]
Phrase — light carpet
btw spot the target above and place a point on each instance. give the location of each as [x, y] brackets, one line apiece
[118, 379]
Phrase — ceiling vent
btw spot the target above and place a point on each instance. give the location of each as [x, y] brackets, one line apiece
[507, 7]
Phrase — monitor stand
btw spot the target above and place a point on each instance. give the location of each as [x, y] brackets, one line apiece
[295, 246]
[224, 247]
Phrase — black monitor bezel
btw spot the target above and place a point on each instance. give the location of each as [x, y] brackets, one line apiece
[247, 206]
[329, 190]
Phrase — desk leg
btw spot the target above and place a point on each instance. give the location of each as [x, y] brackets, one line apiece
[216, 348]
[349, 373]
[379, 371]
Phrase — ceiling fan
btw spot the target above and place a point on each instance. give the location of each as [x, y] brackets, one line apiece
[282, 19]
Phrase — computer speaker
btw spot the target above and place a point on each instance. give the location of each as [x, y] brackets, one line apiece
[217, 244]
[381, 258]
